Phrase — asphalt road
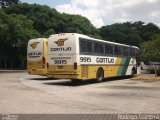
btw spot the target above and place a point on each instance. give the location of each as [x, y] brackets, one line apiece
[21, 93]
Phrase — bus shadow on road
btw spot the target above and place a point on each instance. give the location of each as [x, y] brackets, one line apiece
[70, 83]
[85, 82]
[40, 79]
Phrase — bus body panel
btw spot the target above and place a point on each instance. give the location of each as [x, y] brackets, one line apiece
[62, 60]
[89, 71]
[36, 56]
[61, 53]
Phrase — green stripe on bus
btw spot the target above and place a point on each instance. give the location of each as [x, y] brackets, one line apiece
[121, 66]
[125, 66]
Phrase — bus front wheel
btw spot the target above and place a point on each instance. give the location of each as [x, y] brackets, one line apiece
[100, 75]
[133, 72]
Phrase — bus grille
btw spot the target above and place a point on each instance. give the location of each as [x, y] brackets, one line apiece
[84, 71]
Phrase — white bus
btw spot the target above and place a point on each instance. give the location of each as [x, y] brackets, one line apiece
[36, 56]
[78, 57]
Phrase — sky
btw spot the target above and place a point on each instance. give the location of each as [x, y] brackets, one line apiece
[106, 12]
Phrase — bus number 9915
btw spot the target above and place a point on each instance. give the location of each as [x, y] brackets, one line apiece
[60, 61]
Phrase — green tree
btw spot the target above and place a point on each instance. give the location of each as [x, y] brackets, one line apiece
[48, 21]
[78, 24]
[24, 21]
[21, 22]
[149, 30]
[6, 3]
[150, 50]
[122, 33]
[16, 31]
[45, 20]
[129, 33]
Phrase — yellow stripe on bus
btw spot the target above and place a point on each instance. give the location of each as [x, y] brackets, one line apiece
[113, 69]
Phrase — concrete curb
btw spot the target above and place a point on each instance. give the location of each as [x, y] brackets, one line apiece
[145, 78]
[11, 71]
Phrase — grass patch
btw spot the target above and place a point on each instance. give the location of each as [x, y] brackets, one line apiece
[145, 78]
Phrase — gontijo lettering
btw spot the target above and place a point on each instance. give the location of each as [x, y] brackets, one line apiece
[104, 60]
[31, 54]
[61, 49]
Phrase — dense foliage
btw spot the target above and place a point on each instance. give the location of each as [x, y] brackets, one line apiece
[15, 31]
[7, 3]
[129, 33]
[48, 21]
[20, 22]
[150, 50]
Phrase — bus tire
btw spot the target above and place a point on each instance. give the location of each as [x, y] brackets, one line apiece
[100, 75]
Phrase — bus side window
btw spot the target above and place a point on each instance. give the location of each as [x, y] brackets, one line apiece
[133, 52]
[85, 46]
[101, 48]
[125, 51]
[138, 58]
[108, 49]
[130, 52]
[89, 47]
[117, 50]
[98, 48]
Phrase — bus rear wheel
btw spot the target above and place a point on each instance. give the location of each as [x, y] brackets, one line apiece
[100, 75]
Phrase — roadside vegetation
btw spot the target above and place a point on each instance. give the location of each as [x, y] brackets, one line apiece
[20, 22]
[150, 51]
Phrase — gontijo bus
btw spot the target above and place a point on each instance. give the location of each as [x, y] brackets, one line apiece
[36, 56]
[76, 57]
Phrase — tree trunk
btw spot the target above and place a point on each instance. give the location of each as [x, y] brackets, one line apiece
[155, 69]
